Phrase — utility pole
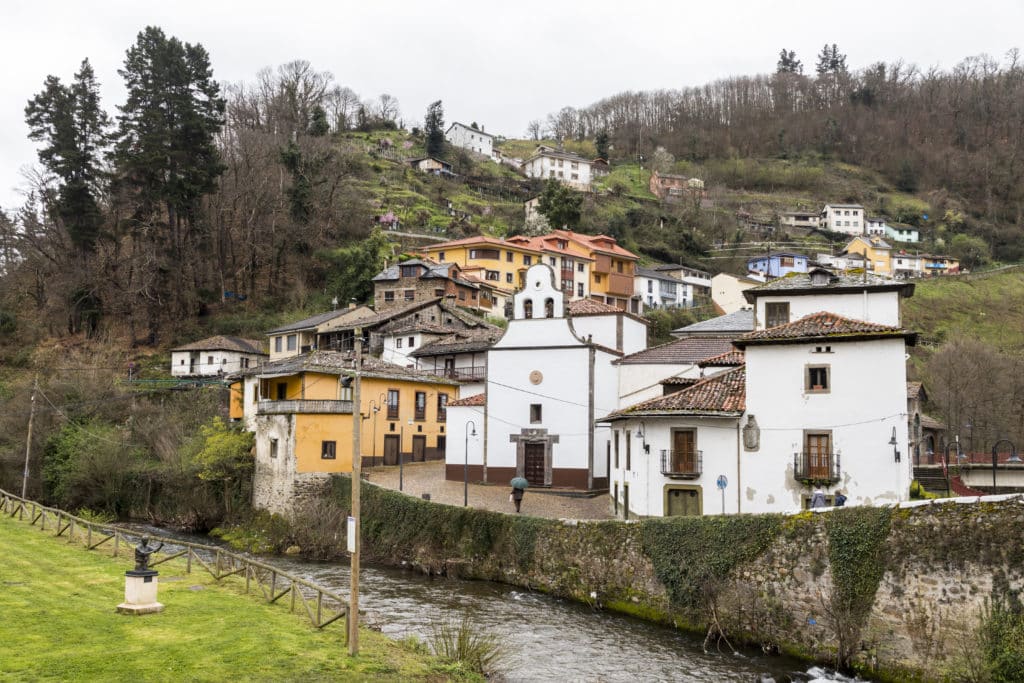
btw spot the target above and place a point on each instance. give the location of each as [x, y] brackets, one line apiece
[353, 528]
[28, 440]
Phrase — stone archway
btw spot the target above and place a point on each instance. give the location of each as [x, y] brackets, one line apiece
[532, 442]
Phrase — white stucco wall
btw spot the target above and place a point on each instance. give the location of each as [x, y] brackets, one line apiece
[470, 138]
[222, 362]
[400, 356]
[727, 292]
[866, 399]
[548, 167]
[716, 440]
[875, 307]
[639, 382]
[460, 445]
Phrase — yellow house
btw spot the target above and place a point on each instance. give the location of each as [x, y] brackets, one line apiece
[301, 411]
[875, 250]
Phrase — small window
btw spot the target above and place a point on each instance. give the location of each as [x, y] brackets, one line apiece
[440, 256]
[412, 342]
[389, 296]
[508, 278]
[597, 279]
[410, 294]
[776, 313]
[536, 413]
[442, 407]
[493, 275]
[273, 448]
[282, 391]
[579, 289]
[438, 292]
[629, 451]
[553, 261]
[392, 404]
[398, 343]
[527, 260]
[528, 309]
[421, 405]
[579, 267]
[293, 342]
[209, 360]
[616, 448]
[817, 378]
[277, 345]
[822, 349]
[328, 450]
[508, 256]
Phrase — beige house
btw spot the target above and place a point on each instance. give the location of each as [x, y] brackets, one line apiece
[727, 291]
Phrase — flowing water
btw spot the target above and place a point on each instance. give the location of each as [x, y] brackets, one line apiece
[545, 638]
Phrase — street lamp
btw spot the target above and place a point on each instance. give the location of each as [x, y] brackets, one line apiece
[375, 407]
[895, 449]
[995, 456]
[465, 466]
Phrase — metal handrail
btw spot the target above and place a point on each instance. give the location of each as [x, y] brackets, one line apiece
[671, 468]
[218, 562]
[810, 466]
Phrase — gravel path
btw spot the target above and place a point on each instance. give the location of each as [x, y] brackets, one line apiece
[428, 477]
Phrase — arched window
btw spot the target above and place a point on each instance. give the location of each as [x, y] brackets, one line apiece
[549, 308]
[528, 308]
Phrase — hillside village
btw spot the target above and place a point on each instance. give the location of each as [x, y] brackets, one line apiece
[527, 356]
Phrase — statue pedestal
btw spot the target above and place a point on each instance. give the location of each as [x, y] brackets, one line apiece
[140, 593]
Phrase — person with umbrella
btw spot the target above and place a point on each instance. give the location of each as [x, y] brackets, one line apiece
[519, 485]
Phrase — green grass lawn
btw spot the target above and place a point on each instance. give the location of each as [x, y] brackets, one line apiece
[58, 622]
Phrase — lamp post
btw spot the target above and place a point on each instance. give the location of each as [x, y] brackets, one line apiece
[895, 447]
[995, 457]
[375, 407]
[945, 460]
[465, 465]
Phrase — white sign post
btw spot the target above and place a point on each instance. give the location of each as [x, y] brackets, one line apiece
[351, 534]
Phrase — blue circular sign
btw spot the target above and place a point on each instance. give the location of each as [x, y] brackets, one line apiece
[722, 481]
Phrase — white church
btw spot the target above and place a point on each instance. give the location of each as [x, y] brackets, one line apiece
[813, 398]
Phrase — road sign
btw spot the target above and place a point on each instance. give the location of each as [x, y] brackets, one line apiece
[722, 482]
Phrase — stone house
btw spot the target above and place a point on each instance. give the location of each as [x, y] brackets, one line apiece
[418, 280]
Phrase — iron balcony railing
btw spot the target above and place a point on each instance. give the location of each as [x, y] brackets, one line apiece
[682, 464]
[268, 407]
[816, 467]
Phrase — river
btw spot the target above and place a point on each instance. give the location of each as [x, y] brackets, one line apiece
[545, 638]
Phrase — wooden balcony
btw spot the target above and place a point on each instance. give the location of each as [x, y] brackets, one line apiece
[816, 468]
[682, 464]
[620, 285]
[322, 406]
[473, 373]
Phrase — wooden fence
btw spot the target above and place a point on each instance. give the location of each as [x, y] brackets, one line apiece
[323, 607]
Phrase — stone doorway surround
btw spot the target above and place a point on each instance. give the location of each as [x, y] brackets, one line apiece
[526, 436]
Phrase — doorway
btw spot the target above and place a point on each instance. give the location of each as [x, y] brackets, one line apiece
[533, 462]
[391, 446]
[419, 448]
[682, 502]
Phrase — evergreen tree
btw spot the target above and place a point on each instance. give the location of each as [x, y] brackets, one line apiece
[788, 63]
[73, 128]
[830, 61]
[433, 127]
[318, 126]
[560, 205]
[601, 142]
[165, 149]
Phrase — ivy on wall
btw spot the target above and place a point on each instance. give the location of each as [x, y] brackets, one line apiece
[692, 555]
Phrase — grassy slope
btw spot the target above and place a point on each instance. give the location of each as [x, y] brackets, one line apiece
[58, 623]
[987, 306]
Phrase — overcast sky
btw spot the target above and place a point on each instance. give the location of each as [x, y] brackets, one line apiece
[499, 63]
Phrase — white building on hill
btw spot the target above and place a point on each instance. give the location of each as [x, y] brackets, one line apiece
[473, 139]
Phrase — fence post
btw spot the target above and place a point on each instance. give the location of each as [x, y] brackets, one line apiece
[42, 526]
[188, 562]
[71, 530]
[117, 541]
[248, 569]
[292, 608]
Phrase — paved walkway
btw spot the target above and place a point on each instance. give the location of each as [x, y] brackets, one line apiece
[428, 477]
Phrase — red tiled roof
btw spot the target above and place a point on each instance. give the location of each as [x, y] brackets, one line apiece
[591, 307]
[602, 243]
[724, 394]
[727, 359]
[822, 326]
[475, 400]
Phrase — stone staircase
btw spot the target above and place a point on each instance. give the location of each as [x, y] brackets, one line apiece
[931, 478]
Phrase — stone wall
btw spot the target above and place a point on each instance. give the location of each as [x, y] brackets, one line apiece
[795, 583]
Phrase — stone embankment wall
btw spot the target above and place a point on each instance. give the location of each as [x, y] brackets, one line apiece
[898, 592]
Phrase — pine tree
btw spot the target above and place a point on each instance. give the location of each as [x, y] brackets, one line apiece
[433, 127]
[788, 63]
[601, 143]
[318, 126]
[165, 150]
[73, 127]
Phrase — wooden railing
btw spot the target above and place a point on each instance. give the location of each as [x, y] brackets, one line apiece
[322, 606]
[271, 407]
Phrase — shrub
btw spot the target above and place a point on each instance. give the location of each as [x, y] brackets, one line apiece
[465, 644]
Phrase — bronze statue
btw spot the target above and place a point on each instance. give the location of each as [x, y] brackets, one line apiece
[142, 553]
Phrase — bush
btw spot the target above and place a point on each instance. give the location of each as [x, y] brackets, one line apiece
[1002, 639]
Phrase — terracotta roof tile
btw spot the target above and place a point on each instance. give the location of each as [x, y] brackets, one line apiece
[475, 400]
[723, 394]
[822, 325]
[591, 307]
[727, 359]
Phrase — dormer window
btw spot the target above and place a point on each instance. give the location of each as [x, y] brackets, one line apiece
[820, 277]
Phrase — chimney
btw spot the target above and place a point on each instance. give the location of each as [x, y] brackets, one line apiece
[351, 305]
